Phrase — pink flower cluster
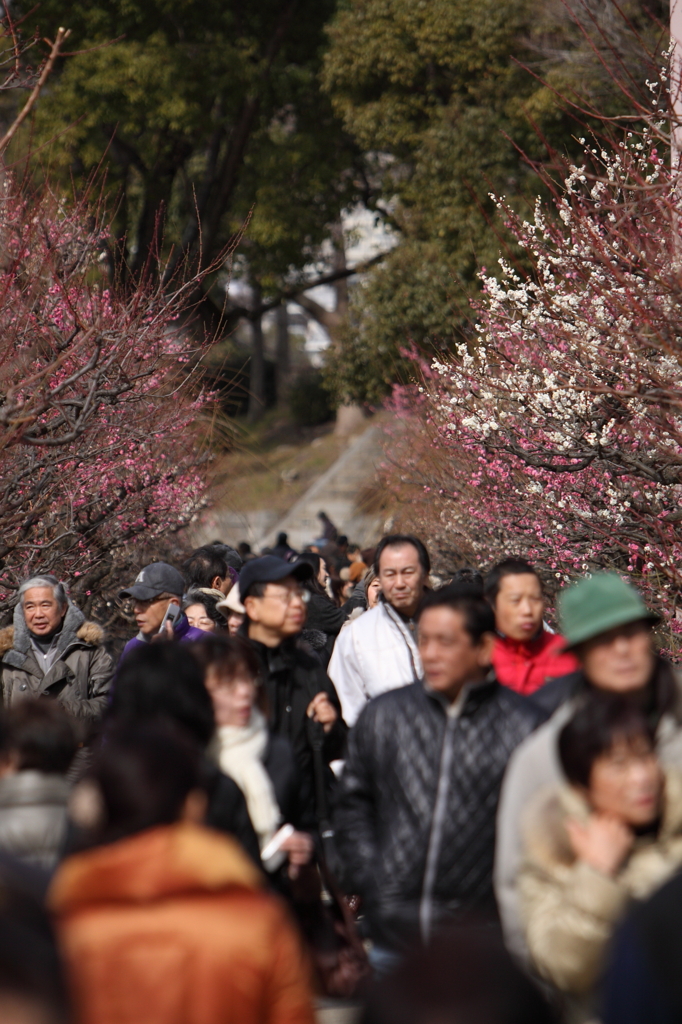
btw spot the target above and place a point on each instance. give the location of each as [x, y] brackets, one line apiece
[99, 394]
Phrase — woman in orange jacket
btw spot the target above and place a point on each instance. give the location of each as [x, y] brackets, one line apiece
[165, 921]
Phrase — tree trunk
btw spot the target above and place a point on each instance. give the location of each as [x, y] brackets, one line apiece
[257, 374]
[282, 355]
[339, 264]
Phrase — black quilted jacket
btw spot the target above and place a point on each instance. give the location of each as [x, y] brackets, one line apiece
[415, 814]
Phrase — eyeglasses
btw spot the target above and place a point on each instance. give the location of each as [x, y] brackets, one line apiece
[204, 623]
[288, 595]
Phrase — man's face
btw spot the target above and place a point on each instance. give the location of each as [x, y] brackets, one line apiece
[149, 614]
[449, 655]
[42, 611]
[519, 606]
[620, 660]
[402, 578]
[282, 608]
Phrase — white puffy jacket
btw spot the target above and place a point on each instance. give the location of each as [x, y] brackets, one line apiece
[374, 653]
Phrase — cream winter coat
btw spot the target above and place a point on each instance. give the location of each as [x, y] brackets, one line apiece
[569, 909]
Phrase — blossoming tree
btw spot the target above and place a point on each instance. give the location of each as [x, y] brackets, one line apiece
[97, 403]
[562, 419]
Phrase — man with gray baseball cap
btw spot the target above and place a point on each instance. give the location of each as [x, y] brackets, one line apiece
[158, 587]
[606, 624]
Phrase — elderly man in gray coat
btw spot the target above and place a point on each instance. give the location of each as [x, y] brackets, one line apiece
[52, 651]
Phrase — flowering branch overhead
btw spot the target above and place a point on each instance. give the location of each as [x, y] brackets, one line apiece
[562, 419]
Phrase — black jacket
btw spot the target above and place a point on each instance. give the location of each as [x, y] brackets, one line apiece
[415, 814]
[227, 810]
[294, 799]
[292, 676]
[324, 617]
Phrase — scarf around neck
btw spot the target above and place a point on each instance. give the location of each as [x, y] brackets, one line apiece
[240, 755]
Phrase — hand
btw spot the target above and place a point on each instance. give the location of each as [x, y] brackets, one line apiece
[299, 847]
[602, 841]
[166, 633]
[322, 710]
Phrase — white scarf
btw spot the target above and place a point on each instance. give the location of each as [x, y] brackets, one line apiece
[240, 755]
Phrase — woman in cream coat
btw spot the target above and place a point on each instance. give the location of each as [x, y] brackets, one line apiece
[613, 835]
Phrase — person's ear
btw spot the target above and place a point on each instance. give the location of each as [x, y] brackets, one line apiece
[251, 608]
[217, 583]
[194, 807]
[174, 600]
[485, 650]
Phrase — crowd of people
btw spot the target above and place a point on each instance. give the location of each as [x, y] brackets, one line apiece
[330, 773]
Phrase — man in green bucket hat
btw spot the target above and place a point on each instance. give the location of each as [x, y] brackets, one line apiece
[609, 628]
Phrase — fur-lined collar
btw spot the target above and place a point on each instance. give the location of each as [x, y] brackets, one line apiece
[88, 633]
[545, 821]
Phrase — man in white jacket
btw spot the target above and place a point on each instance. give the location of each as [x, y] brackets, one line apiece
[378, 651]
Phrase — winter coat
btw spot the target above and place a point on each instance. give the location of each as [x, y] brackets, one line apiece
[569, 909]
[324, 617]
[181, 631]
[295, 801]
[526, 666]
[415, 815]
[79, 677]
[33, 817]
[292, 676]
[536, 765]
[172, 925]
[377, 652]
[227, 811]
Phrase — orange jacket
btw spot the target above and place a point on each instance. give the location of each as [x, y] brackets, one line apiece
[169, 926]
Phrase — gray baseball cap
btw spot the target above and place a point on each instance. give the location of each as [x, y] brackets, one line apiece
[157, 578]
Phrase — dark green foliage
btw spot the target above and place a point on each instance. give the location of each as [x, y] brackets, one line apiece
[309, 400]
[434, 92]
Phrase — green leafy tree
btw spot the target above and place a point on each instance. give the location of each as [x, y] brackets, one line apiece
[200, 112]
[439, 95]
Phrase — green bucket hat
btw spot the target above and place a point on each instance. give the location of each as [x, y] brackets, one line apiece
[597, 604]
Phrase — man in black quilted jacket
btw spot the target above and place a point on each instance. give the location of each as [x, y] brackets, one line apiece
[415, 818]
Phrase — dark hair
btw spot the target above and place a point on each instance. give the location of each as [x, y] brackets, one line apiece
[398, 540]
[315, 560]
[341, 540]
[196, 596]
[337, 589]
[231, 557]
[244, 547]
[203, 565]
[164, 680]
[144, 773]
[282, 540]
[257, 589]
[466, 599]
[227, 654]
[508, 567]
[352, 548]
[30, 965]
[464, 975]
[41, 734]
[602, 718]
[469, 575]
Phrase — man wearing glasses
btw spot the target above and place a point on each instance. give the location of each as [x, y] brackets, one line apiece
[302, 704]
